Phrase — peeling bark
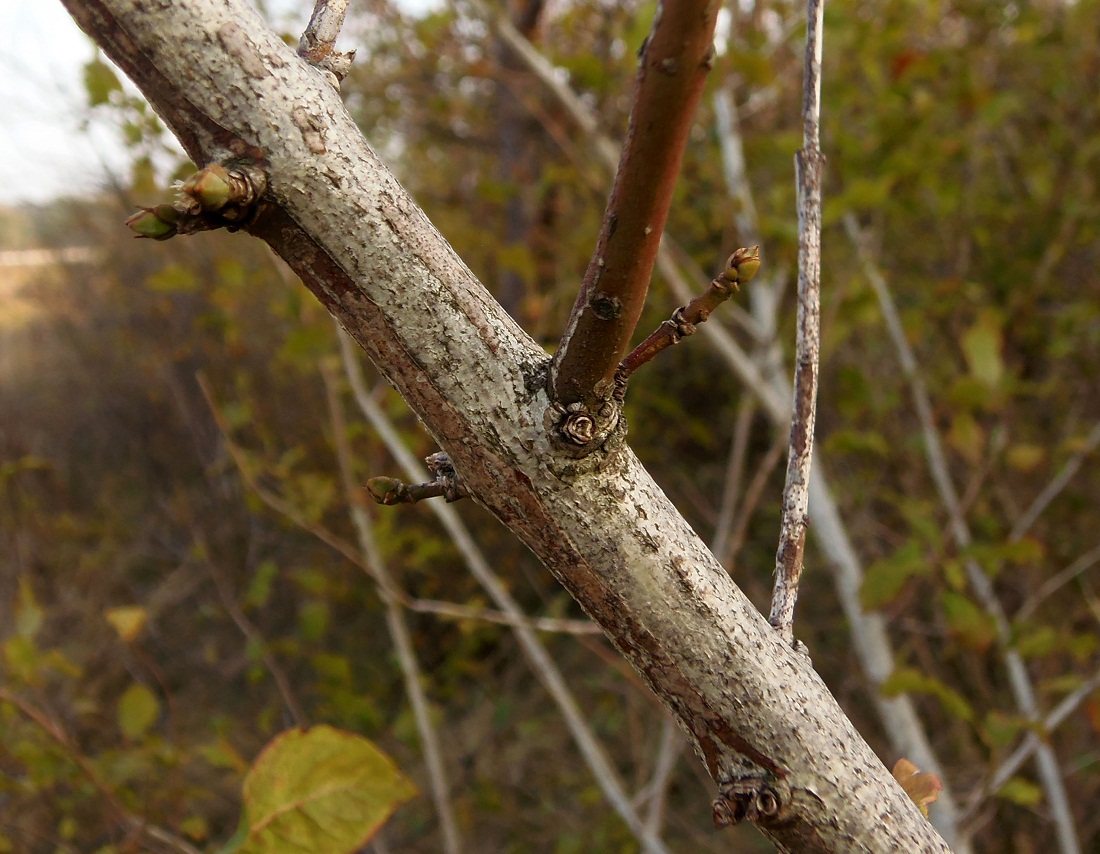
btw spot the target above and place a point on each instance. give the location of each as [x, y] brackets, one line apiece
[754, 709]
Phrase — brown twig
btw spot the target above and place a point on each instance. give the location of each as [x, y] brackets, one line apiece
[252, 634]
[390, 491]
[674, 63]
[796, 492]
[741, 266]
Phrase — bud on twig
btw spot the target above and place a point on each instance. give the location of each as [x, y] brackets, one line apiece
[157, 223]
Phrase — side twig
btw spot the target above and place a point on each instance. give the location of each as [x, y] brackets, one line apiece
[389, 491]
[318, 41]
[796, 493]
[741, 266]
[870, 638]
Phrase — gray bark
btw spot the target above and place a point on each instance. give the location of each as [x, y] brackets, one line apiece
[226, 84]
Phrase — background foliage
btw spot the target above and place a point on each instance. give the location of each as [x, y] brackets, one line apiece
[150, 601]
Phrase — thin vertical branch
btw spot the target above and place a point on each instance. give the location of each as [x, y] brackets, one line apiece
[796, 492]
[1050, 774]
[395, 622]
[735, 470]
[252, 635]
[539, 659]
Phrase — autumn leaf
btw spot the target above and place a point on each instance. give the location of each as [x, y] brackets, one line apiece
[922, 787]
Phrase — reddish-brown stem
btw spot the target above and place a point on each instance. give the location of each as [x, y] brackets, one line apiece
[674, 64]
[741, 266]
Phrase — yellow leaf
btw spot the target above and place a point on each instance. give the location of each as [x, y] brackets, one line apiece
[318, 790]
[127, 620]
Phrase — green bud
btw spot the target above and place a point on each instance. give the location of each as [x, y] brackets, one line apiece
[384, 490]
[157, 223]
[210, 187]
[742, 265]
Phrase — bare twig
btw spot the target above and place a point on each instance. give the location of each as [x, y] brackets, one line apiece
[1056, 485]
[751, 498]
[542, 665]
[735, 472]
[253, 635]
[61, 738]
[1031, 743]
[388, 491]
[741, 266]
[1085, 562]
[655, 794]
[674, 63]
[395, 622]
[796, 492]
[1023, 690]
[454, 611]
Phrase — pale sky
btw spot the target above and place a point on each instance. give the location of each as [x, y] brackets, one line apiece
[43, 151]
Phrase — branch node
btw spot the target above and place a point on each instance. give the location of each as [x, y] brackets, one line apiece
[578, 430]
[759, 798]
[220, 195]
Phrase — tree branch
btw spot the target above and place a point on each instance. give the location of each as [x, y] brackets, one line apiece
[765, 725]
[395, 623]
[809, 163]
[674, 63]
[542, 665]
[870, 638]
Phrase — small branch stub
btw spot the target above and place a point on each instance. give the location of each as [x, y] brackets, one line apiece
[390, 491]
[740, 268]
[220, 195]
[319, 40]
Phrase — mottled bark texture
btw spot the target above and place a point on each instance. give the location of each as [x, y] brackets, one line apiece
[225, 83]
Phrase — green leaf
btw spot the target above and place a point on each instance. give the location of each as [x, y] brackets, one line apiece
[967, 621]
[100, 81]
[28, 613]
[885, 578]
[138, 710]
[982, 346]
[1020, 791]
[317, 790]
[907, 680]
[259, 588]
